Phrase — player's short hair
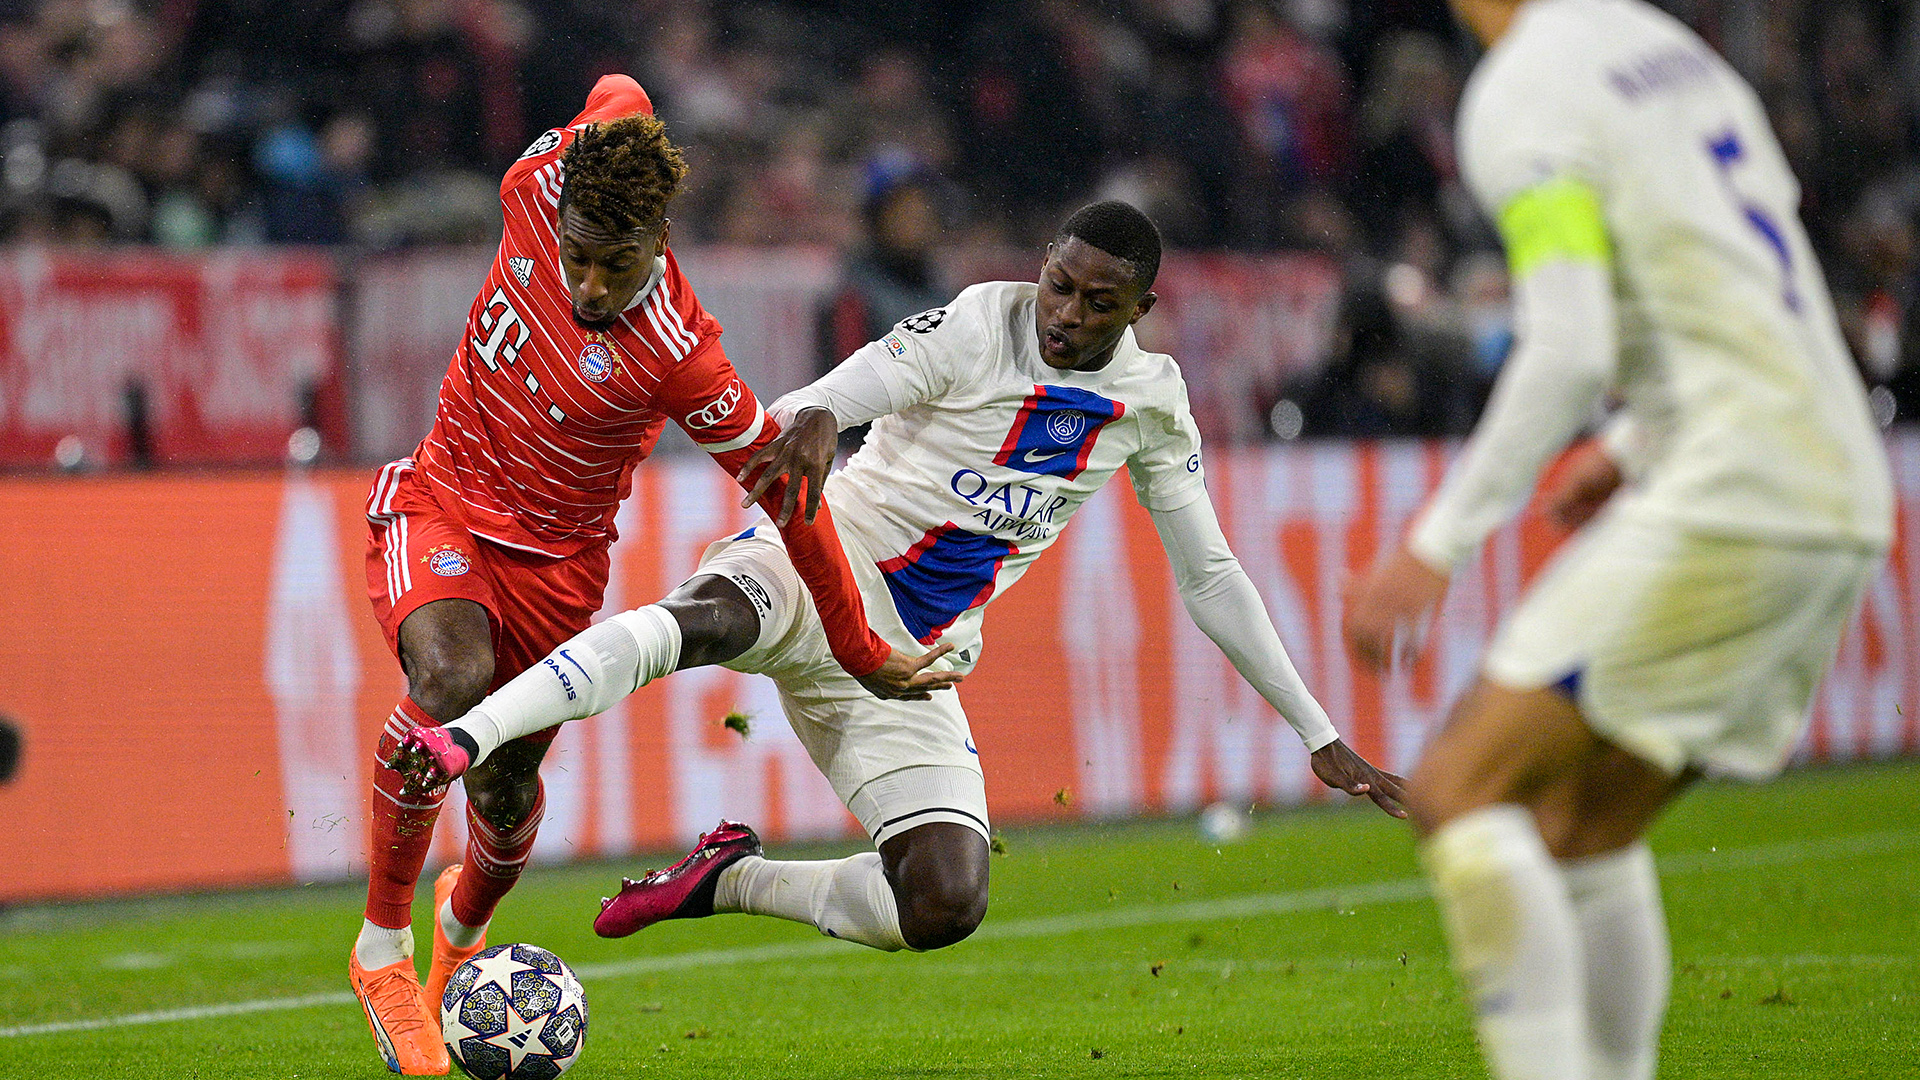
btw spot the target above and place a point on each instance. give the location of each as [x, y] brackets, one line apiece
[621, 174]
[1120, 231]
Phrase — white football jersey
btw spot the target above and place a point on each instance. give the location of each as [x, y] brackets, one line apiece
[1731, 362]
[989, 454]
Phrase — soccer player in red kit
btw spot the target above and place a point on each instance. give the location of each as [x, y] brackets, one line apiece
[488, 547]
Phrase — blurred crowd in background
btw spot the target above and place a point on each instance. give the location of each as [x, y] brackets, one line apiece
[900, 131]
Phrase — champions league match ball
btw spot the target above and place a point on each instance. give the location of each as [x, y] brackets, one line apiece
[514, 1012]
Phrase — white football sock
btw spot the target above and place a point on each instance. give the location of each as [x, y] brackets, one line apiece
[1505, 908]
[1616, 906]
[584, 677]
[847, 898]
[381, 946]
[459, 934]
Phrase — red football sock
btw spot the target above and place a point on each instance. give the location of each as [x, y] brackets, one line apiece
[494, 861]
[402, 826]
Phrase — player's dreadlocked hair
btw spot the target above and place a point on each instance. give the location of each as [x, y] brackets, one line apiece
[621, 174]
[1120, 231]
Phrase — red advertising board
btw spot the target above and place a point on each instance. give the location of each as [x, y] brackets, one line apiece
[224, 354]
[170, 359]
[200, 680]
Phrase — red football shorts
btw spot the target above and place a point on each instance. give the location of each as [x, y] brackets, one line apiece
[418, 553]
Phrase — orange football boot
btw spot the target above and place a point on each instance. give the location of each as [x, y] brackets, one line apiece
[446, 958]
[408, 1040]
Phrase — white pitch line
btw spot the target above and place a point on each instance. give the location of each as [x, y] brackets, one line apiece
[643, 965]
[167, 1016]
[1232, 907]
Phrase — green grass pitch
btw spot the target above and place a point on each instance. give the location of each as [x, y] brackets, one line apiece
[1309, 949]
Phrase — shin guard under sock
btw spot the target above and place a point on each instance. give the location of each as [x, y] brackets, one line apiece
[845, 898]
[1510, 925]
[588, 675]
[401, 826]
[1623, 932]
[494, 861]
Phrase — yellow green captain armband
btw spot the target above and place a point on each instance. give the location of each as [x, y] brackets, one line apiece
[1559, 219]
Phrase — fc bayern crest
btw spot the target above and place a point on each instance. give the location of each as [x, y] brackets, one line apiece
[596, 362]
[448, 562]
[1066, 425]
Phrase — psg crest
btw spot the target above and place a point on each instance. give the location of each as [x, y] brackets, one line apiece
[596, 362]
[1066, 425]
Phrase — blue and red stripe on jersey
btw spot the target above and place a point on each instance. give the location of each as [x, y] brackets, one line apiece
[1054, 433]
[948, 572]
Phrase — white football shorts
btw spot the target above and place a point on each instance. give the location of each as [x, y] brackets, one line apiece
[1682, 648]
[895, 764]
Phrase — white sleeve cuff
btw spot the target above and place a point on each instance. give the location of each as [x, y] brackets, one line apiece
[785, 410]
[1625, 443]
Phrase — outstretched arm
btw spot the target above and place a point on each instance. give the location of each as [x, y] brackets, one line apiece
[724, 418]
[1225, 605]
[1557, 245]
[745, 431]
[861, 389]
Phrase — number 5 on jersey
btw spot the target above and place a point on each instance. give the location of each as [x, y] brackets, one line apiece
[1727, 152]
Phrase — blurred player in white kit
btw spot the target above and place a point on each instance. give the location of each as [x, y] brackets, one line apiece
[1739, 503]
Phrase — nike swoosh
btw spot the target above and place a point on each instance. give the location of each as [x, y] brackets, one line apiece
[971, 750]
[1032, 458]
[576, 663]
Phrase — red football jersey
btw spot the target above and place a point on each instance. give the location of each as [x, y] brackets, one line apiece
[541, 420]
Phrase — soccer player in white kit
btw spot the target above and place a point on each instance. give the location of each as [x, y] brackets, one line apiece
[994, 419]
[1739, 503]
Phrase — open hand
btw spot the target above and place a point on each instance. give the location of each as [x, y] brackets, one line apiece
[1588, 479]
[1338, 766]
[1386, 611]
[906, 678]
[803, 453]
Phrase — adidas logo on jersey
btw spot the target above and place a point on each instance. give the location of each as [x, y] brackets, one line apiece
[522, 268]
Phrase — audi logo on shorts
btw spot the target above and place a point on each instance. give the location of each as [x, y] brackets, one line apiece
[721, 407]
